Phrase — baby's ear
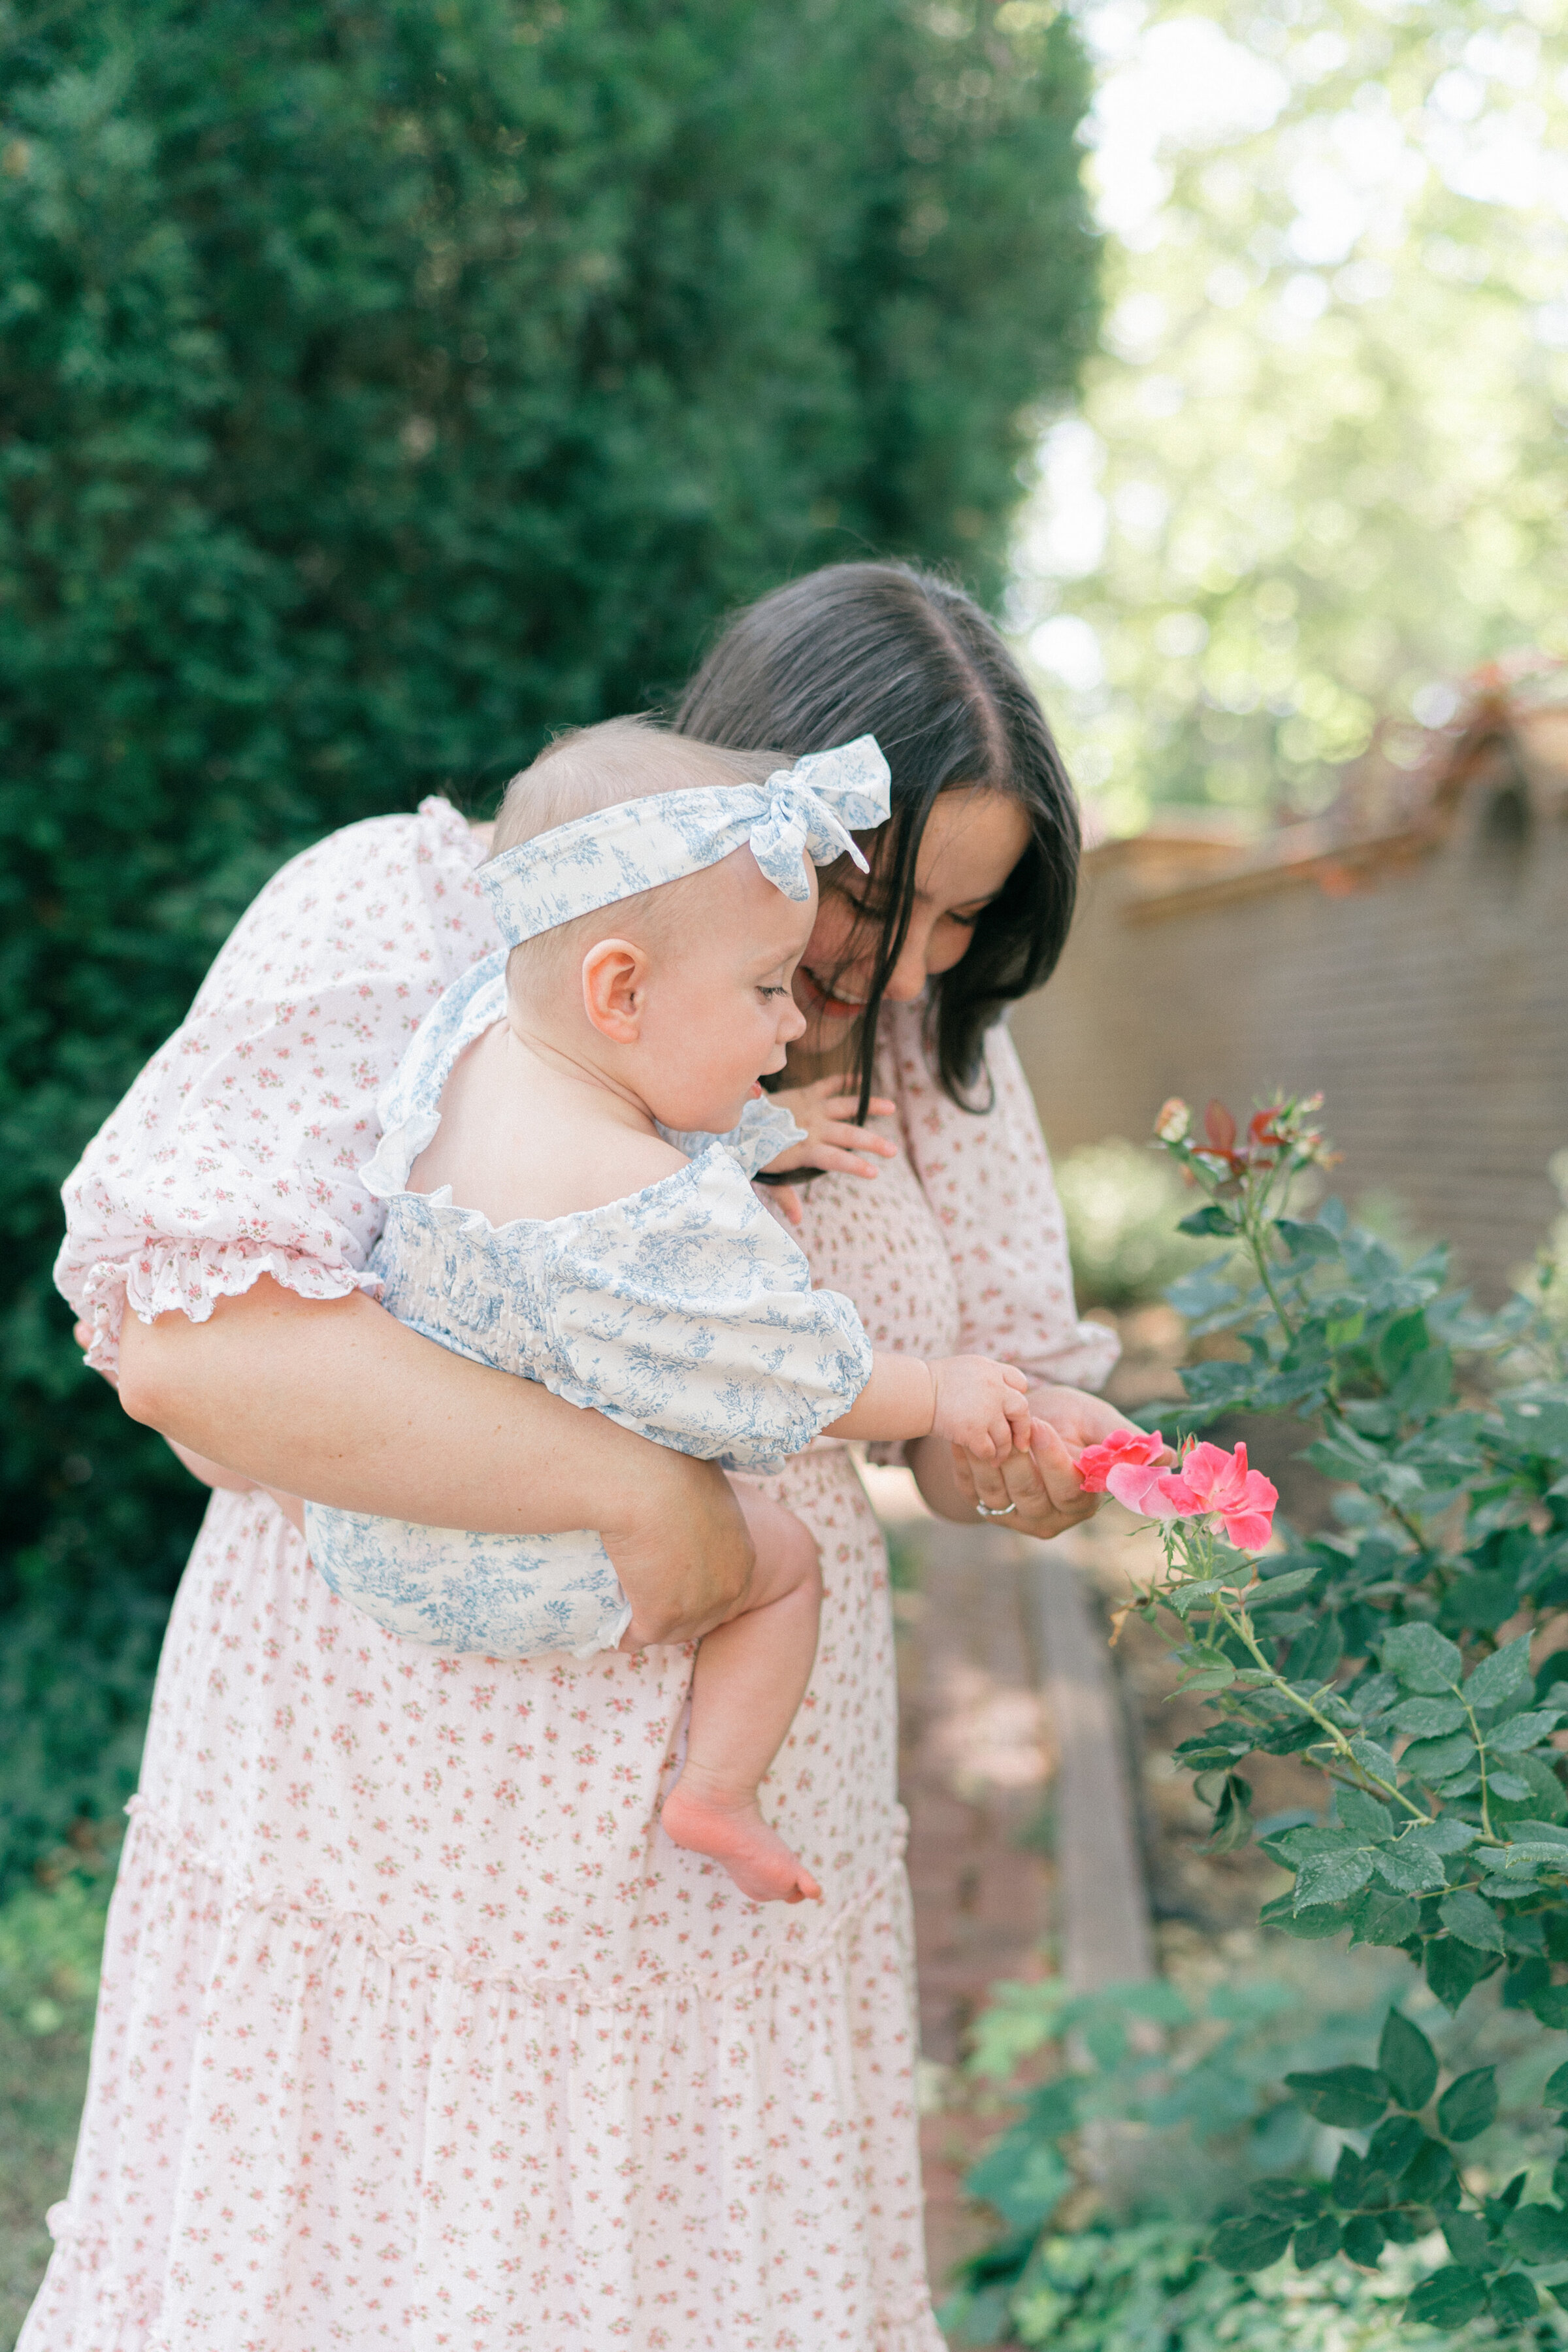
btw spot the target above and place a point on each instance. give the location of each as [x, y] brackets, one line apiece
[615, 978]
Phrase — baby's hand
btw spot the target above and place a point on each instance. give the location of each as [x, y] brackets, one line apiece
[832, 1140]
[981, 1406]
[825, 1111]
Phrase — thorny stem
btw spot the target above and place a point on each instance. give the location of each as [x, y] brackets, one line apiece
[1255, 1221]
[1480, 1760]
[1240, 1624]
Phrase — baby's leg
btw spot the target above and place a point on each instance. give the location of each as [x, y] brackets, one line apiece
[749, 1677]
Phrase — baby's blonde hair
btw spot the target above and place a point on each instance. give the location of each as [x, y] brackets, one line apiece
[593, 767]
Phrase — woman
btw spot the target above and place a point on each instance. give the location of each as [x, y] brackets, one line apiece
[412, 2029]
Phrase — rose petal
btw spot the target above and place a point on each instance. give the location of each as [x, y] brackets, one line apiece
[1248, 1532]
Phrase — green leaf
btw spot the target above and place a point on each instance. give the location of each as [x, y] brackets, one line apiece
[1556, 2095]
[1469, 2240]
[1308, 1242]
[1546, 1801]
[1353, 2098]
[1450, 2298]
[1425, 1386]
[1363, 2240]
[1422, 1658]
[1316, 2242]
[1395, 2144]
[1505, 1675]
[1538, 1427]
[1469, 2104]
[1399, 1344]
[1375, 1761]
[1210, 1220]
[1446, 1835]
[1509, 1784]
[1539, 2232]
[1308, 1927]
[1550, 2004]
[1428, 1718]
[1410, 1866]
[1522, 1731]
[1275, 1589]
[1431, 1761]
[1454, 1970]
[1358, 1810]
[1329, 1877]
[1513, 2299]
[1379, 1918]
[1407, 2060]
[1249, 2242]
[1024, 2178]
[1480, 1604]
[1467, 1916]
[1430, 2178]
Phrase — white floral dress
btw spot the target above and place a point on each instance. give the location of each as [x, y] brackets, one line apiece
[414, 2031]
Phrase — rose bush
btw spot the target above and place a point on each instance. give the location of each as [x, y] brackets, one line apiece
[1410, 1653]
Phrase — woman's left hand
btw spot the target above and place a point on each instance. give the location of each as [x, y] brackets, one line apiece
[1042, 1485]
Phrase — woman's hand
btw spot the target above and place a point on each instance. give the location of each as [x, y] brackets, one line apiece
[1042, 1484]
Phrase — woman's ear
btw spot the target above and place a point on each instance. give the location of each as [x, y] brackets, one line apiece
[614, 984]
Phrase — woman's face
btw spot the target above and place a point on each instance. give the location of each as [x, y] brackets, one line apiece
[973, 838]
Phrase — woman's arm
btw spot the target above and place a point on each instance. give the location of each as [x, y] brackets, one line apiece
[336, 1401]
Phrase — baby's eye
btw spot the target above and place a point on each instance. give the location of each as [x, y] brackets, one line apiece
[770, 991]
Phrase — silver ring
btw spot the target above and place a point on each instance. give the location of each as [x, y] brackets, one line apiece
[988, 1513]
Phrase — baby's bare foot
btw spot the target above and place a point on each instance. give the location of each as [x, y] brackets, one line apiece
[755, 1857]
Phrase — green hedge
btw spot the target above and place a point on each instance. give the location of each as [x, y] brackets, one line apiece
[380, 385]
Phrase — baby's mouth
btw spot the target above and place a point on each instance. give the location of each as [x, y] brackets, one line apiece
[836, 1008]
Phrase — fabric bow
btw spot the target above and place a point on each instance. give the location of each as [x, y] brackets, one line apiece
[810, 808]
[802, 812]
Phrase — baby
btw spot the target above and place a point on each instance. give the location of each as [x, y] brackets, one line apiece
[567, 1162]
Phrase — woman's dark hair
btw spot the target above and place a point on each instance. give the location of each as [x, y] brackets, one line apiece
[881, 649]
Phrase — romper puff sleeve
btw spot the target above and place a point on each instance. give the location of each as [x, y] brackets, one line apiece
[987, 1177]
[238, 1150]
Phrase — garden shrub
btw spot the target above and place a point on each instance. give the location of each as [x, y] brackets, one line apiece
[383, 387]
[1409, 1654]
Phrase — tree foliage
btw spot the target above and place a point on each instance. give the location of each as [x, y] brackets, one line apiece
[379, 387]
[1320, 467]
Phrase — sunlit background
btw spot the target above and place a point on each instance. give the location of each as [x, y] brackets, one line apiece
[1318, 472]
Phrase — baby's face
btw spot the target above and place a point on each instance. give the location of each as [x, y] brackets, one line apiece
[719, 1012]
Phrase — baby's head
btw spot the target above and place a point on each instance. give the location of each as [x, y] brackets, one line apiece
[680, 992]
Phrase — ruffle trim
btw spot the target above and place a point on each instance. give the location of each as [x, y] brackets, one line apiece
[910, 2327]
[815, 1953]
[192, 1276]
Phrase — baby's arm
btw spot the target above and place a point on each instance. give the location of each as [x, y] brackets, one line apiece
[968, 1400]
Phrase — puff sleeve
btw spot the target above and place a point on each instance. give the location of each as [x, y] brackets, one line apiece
[987, 1177]
[689, 1315]
[237, 1152]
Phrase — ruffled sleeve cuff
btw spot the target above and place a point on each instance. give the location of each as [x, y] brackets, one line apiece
[192, 1276]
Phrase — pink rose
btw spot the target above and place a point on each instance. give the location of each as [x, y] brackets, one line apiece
[1208, 1482]
[1136, 1446]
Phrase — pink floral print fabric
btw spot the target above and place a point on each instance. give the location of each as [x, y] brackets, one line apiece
[414, 2030]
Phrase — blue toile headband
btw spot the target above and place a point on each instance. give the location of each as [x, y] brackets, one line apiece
[804, 811]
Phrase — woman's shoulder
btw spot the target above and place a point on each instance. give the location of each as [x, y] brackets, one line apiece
[390, 895]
